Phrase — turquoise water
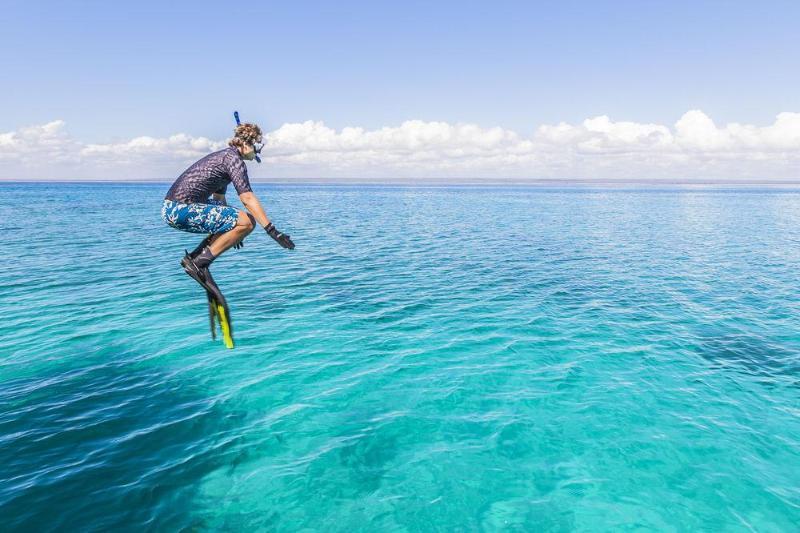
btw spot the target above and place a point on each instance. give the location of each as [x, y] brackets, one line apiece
[452, 359]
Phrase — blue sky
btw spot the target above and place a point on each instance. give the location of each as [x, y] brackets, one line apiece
[113, 71]
[114, 68]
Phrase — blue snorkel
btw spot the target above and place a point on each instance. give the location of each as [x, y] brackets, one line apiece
[257, 149]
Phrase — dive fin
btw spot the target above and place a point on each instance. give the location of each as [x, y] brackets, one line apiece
[225, 325]
[217, 305]
[223, 312]
[211, 315]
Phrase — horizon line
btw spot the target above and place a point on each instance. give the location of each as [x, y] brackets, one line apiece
[538, 182]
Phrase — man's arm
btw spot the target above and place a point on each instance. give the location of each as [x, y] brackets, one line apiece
[253, 206]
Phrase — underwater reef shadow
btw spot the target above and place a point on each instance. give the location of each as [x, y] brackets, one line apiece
[111, 445]
[771, 362]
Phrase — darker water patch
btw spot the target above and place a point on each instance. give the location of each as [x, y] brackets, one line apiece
[752, 355]
[114, 446]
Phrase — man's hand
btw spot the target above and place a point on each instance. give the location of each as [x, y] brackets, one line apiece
[239, 244]
[281, 238]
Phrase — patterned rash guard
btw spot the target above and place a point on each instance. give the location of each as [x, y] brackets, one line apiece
[211, 175]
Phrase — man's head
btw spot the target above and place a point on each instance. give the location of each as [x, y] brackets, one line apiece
[247, 139]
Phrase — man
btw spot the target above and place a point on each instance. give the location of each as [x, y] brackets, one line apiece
[196, 202]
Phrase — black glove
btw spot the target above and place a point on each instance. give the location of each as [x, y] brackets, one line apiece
[281, 238]
[239, 245]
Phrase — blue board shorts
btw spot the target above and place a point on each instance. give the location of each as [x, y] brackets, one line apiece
[212, 217]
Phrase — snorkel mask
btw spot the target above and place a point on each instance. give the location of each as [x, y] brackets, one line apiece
[257, 147]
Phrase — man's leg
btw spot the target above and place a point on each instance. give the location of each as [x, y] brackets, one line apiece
[211, 217]
[245, 224]
[205, 242]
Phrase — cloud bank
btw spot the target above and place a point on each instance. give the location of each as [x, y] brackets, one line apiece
[694, 148]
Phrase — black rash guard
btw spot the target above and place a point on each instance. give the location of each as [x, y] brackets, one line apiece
[211, 175]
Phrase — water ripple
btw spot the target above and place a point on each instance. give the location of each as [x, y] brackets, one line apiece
[569, 360]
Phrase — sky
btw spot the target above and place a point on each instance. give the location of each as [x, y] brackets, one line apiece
[522, 90]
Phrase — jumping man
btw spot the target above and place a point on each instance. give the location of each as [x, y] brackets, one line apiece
[196, 203]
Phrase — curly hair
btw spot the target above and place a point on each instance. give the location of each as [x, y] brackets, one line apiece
[245, 134]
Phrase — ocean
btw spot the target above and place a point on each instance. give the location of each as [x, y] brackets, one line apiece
[428, 359]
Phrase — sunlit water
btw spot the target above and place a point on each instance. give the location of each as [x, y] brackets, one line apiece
[426, 359]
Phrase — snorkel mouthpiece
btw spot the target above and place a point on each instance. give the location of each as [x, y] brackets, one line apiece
[256, 149]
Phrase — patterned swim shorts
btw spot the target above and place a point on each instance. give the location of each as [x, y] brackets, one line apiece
[212, 217]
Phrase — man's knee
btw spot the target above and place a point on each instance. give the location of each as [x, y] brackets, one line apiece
[246, 222]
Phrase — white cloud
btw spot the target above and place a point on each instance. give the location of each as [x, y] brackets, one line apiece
[27, 146]
[600, 148]
[176, 146]
[697, 132]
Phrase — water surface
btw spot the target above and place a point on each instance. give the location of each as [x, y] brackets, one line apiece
[441, 358]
